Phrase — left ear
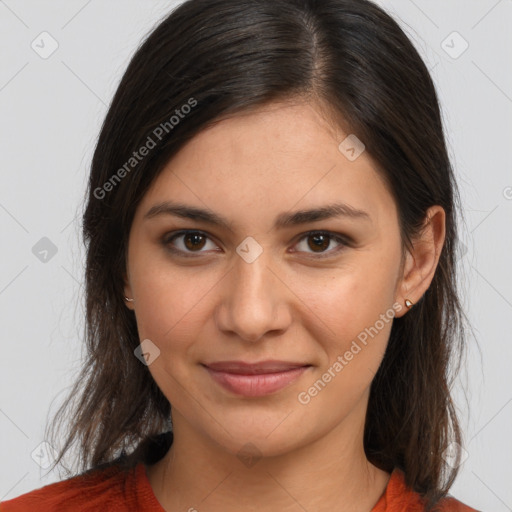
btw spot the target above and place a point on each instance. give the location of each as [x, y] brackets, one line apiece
[421, 260]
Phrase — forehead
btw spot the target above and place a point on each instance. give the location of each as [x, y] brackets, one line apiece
[276, 157]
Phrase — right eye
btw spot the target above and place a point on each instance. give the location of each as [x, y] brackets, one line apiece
[189, 242]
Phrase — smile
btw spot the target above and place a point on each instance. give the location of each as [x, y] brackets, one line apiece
[254, 380]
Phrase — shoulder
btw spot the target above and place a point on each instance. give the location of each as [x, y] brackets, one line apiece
[92, 490]
[399, 497]
[451, 504]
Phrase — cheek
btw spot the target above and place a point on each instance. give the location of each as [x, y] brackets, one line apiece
[169, 297]
[174, 311]
[356, 320]
[349, 299]
[170, 312]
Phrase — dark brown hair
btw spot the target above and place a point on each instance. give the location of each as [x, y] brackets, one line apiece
[222, 58]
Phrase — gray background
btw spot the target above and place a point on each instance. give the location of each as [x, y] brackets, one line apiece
[51, 110]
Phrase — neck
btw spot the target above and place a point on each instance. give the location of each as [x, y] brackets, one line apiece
[197, 473]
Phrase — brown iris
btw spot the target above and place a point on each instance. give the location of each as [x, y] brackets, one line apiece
[191, 241]
[321, 242]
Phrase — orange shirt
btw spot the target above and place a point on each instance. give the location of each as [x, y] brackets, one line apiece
[112, 490]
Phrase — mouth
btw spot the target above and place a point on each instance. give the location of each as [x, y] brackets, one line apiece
[255, 379]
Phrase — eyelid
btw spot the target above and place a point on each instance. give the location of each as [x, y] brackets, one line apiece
[340, 238]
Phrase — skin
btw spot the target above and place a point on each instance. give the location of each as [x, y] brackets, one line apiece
[289, 304]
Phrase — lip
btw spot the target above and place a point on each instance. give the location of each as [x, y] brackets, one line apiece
[255, 379]
[262, 367]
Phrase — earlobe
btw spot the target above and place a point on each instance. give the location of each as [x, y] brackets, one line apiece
[422, 259]
[128, 301]
[128, 294]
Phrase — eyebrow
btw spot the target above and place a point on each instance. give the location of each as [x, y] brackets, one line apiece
[283, 220]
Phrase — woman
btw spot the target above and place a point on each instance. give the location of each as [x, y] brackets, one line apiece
[272, 312]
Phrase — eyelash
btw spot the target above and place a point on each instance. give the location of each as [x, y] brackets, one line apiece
[343, 240]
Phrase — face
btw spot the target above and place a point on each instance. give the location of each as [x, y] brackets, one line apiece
[315, 292]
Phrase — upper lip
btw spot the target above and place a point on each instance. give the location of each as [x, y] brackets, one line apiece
[243, 368]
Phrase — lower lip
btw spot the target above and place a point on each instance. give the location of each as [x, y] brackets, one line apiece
[256, 385]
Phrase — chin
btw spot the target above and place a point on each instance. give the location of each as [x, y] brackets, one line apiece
[267, 435]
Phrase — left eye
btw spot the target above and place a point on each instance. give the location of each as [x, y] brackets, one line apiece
[319, 241]
[193, 241]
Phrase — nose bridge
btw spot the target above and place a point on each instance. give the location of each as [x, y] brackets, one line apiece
[252, 278]
[254, 302]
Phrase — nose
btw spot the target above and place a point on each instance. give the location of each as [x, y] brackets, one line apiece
[254, 301]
